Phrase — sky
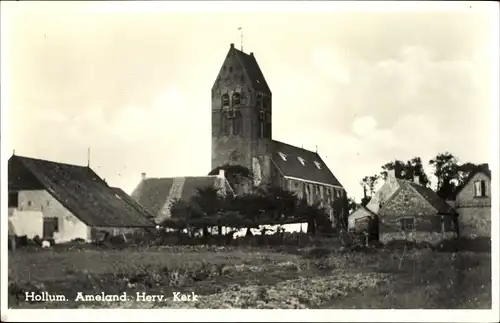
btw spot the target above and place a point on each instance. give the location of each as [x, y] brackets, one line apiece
[132, 81]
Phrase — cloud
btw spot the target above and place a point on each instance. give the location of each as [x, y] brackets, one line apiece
[364, 125]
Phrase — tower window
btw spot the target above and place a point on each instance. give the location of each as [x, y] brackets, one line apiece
[224, 125]
[225, 100]
[259, 100]
[236, 122]
[236, 98]
[317, 164]
[302, 161]
[282, 155]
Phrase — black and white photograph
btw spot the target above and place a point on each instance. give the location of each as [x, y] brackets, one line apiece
[239, 155]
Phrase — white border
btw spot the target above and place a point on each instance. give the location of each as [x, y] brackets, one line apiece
[260, 315]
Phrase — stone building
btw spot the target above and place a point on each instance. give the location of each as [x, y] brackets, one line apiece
[472, 201]
[407, 210]
[242, 135]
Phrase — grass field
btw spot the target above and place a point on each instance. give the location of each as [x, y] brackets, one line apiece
[224, 277]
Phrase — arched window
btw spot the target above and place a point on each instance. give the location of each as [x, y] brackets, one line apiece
[262, 124]
[237, 124]
[259, 100]
[236, 98]
[224, 124]
[225, 100]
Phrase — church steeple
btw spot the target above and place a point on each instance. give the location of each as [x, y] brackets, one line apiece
[241, 110]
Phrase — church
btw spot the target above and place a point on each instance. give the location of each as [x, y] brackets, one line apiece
[241, 103]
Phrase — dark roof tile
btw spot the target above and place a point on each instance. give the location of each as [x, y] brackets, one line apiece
[253, 71]
[153, 193]
[286, 158]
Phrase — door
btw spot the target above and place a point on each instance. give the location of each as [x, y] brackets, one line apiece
[50, 225]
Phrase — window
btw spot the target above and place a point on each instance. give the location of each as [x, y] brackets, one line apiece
[479, 188]
[236, 98]
[52, 224]
[225, 100]
[407, 224]
[283, 156]
[13, 199]
[302, 161]
[259, 100]
[317, 164]
[224, 125]
[237, 124]
[230, 69]
[30, 203]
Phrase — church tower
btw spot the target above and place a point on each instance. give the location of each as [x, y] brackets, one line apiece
[241, 116]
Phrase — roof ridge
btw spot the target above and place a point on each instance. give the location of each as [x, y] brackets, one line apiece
[49, 161]
[284, 143]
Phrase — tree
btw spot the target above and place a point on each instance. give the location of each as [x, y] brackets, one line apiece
[406, 170]
[283, 203]
[236, 175]
[465, 170]
[340, 208]
[446, 171]
[396, 165]
[351, 204]
[368, 183]
[209, 204]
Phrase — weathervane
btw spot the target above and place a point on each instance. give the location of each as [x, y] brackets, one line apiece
[241, 37]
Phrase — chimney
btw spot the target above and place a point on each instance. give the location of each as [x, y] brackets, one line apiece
[416, 179]
[391, 173]
[222, 173]
[232, 45]
[143, 176]
[251, 53]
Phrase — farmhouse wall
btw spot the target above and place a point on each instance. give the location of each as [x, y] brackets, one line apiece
[475, 221]
[474, 211]
[70, 227]
[432, 237]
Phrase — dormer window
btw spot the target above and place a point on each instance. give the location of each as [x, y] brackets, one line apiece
[225, 100]
[283, 156]
[317, 164]
[302, 161]
[236, 98]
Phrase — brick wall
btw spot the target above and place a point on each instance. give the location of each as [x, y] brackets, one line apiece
[474, 212]
[358, 215]
[475, 221]
[466, 196]
[432, 237]
[406, 203]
